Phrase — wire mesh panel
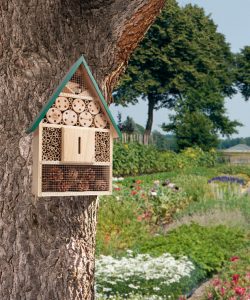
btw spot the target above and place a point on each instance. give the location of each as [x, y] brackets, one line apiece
[78, 81]
[51, 143]
[102, 146]
[63, 178]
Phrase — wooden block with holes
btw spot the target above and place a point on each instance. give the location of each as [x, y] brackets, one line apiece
[73, 139]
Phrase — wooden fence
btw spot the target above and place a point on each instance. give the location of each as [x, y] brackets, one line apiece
[136, 137]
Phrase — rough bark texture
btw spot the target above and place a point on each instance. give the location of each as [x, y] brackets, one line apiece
[47, 244]
[148, 129]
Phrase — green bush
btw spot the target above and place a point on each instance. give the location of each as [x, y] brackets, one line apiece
[208, 247]
[134, 159]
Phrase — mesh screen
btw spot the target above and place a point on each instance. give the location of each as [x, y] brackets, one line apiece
[63, 178]
[78, 79]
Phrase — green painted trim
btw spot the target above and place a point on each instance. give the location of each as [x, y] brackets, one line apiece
[58, 90]
[55, 94]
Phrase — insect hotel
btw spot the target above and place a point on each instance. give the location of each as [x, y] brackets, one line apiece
[73, 138]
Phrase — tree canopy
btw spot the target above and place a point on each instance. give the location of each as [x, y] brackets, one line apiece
[200, 117]
[243, 72]
[182, 52]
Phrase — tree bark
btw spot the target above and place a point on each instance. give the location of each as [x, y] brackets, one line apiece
[47, 244]
[148, 129]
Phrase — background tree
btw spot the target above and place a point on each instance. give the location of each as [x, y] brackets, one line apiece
[119, 120]
[194, 129]
[47, 245]
[128, 125]
[227, 143]
[201, 105]
[164, 141]
[180, 51]
[243, 72]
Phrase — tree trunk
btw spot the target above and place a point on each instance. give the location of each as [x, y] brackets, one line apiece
[148, 129]
[47, 244]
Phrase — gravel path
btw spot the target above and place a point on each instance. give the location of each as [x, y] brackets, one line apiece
[199, 293]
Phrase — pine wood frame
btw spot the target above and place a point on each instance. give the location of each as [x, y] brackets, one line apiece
[38, 163]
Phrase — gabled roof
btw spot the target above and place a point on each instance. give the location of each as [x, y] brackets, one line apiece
[238, 148]
[58, 90]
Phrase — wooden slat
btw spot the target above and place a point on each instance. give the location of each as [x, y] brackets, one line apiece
[87, 193]
[76, 96]
[36, 171]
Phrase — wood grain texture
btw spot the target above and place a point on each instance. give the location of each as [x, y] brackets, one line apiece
[47, 245]
[78, 145]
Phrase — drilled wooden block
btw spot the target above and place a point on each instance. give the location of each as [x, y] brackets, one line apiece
[102, 147]
[51, 143]
[71, 111]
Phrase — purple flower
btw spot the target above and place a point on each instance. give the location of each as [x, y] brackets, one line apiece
[229, 179]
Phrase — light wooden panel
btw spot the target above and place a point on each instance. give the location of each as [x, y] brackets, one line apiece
[88, 193]
[77, 96]
[78, 145]
[36, 171]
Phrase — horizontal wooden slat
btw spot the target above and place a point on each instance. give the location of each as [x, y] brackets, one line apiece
[76, 96]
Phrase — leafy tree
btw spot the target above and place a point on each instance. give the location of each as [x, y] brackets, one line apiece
[163, 141]
[227, 143]
[243, 72]
[193, 129]
[119, 120]
[180, 52]
[128, 125]
[205, 103]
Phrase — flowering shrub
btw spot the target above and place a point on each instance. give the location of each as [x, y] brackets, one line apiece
[234, 282]
[133, 159]
[162, 276]
[157, 202]
[197, 157]
[165, 202]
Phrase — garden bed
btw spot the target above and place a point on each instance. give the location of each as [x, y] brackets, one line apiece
[140, 210]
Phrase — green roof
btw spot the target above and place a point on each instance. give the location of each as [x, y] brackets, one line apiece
[62, 84]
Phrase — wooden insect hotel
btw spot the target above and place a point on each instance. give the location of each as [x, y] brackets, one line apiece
[73, 139]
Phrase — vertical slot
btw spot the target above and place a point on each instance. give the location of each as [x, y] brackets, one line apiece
[79, 145]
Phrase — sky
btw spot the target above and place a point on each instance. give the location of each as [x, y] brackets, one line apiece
[233, 20]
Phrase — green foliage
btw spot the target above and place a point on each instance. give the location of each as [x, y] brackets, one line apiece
[243, 72]
[118, 227]
[128, 125]
[164, 142]
[234, 169]
[209, 247]
[133, 159]
[182, 57]
[227, 143]
[222, 199]
[193, 129]
[139, 206]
